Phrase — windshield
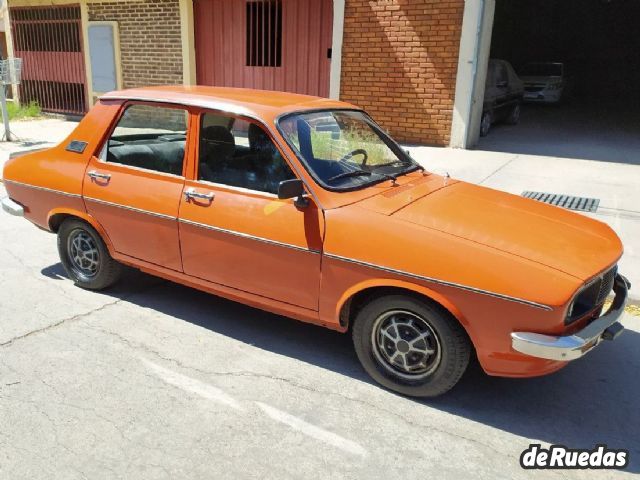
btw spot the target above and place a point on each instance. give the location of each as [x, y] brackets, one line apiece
[344, 149]
[542, 70]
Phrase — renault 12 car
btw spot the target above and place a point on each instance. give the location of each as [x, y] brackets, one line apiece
[305, 207]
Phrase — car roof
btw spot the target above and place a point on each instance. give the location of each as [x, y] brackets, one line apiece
[242, 101]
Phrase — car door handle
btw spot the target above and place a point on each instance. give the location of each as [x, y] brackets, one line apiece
[191, 193]
[102, 176]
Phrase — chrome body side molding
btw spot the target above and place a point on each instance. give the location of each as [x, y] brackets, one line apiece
[441, 282]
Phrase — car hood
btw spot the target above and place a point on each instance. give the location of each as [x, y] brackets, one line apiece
[569, 242]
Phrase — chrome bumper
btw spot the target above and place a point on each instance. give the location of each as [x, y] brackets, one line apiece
[575, 346]
[12, 207]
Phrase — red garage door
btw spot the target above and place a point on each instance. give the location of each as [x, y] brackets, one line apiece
[49, 41]
[267, 44]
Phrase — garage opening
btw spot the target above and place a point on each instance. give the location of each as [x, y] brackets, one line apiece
[579, 61]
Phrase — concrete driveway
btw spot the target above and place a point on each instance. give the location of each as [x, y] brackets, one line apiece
[155, 380]
[587, 129]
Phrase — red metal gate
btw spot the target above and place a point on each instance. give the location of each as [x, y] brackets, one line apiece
[268, 44]
[49, 41]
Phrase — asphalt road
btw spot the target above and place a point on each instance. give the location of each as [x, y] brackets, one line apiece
[155, 380]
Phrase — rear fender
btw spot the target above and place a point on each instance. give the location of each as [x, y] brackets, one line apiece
[51, 221]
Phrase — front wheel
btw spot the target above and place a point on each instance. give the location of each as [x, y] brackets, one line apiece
[85, 256]
[410, 346]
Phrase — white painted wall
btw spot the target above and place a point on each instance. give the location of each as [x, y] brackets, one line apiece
[336, 49]
[475, 44]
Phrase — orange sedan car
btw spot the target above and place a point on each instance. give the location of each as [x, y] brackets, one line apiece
[304, 207]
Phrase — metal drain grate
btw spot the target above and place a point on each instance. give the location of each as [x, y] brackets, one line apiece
[582, 204]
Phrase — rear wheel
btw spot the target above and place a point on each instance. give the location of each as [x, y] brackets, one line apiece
[410, 346]
[485, 124]
[85, 256]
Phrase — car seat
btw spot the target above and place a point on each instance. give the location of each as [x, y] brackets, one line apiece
[217, 146]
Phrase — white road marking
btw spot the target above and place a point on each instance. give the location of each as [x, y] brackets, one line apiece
[312, 430]
[192, 385]
[210, 392]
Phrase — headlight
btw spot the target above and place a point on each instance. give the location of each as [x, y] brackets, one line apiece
[591, 296]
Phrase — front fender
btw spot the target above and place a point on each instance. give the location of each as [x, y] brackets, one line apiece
[371, 283]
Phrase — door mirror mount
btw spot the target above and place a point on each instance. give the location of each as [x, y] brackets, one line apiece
[293, 188]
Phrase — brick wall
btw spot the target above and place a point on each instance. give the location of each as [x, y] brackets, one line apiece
[400, 59]
[150, 42]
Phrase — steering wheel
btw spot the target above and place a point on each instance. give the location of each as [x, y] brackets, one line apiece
[359, 151]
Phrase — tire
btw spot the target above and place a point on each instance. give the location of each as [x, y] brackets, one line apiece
[85, 256]
[485, 124]
[514, 115]
[416, 374]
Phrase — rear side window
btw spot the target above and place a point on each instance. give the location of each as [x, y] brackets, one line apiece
[149, 137]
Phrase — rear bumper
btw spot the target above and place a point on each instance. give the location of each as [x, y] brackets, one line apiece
[571, 347]
[12, 207]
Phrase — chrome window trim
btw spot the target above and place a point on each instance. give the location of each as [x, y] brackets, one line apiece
[138, 169]
[228, 109]
[187, 102]
[441, 282]
[223, 186]
[132, 209]
[248, 236]
[36, 187]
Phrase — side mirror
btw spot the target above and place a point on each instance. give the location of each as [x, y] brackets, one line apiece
[293, 188]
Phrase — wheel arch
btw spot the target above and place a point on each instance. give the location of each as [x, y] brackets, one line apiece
[59, 215]
[356, 296]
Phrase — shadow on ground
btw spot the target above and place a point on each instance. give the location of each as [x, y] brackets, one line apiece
[582, 129]
[592, 401]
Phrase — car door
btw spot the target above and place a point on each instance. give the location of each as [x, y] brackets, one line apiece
[502, 87]
[133, 187]
[490, 90]
[234, 231]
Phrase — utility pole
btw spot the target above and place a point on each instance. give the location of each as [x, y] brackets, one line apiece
[5, 112]
[10, 73]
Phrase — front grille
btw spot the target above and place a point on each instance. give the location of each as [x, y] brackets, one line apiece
[592, 296]
[534, 89]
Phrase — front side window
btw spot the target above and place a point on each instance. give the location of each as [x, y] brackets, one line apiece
[239, 153]
[149, 137]
[344, 149]
[503, 78]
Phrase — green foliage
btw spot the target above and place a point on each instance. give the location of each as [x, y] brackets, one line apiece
[19, 112]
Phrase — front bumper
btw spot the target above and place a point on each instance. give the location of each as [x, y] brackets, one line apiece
[571, 347]
[543, 96]
[12, 207]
